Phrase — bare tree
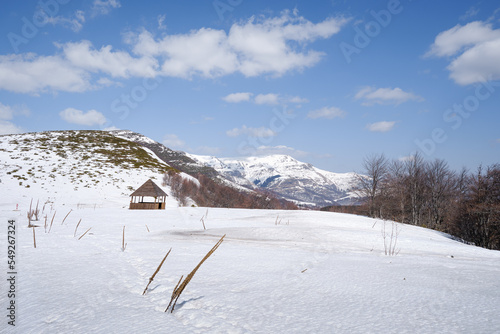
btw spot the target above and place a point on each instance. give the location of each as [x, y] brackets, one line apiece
[415, 167]
[372, 182]
[441, 185]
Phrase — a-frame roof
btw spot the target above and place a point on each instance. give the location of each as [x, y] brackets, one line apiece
[149, 188]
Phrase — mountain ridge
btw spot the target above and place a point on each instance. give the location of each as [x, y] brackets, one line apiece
[287, 177]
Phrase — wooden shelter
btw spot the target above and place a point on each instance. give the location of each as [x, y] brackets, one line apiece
[148, 189]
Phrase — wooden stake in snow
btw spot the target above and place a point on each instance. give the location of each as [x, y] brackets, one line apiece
[156, 272]
[76, 228]
[84, 233]
[66, 216]
[124, 245]
[180, 287]
[50, 228]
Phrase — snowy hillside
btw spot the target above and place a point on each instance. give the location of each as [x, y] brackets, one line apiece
[177, 159]
[293, 180]
[275, 272]
[75, 164]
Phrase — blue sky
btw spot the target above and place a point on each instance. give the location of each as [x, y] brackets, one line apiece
[328, 82]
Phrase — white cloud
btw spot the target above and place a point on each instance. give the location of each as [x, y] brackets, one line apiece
[297, 100]
[32, 74]
[395, 96]
[271, 99]
[266, 99]
[251, 132]
[475, 48]
[8, 112]
[456, 39]
[75, 23]
[478, 64]
[75, 116]
[259, 46]
[280, 149]
[115, 63]
[383, 126]
[173, 141]
[326, 112]
[255, 47]
[103, 7]
[9, 128]
[237, 97]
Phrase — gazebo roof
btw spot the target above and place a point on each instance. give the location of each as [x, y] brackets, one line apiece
[149, 188]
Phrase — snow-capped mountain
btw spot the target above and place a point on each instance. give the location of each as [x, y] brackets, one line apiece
[287, 177]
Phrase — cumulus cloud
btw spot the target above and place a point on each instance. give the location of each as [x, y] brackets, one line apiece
[33, 74]
[474, 50]
[89, 118]
[255, 47]
[258, 46]
[251, 132]
[326, 112]
[383, 126]
[395, 96]
[266, 99]
[9, 128]
[115, 63]
[173, 141]
[237, 97]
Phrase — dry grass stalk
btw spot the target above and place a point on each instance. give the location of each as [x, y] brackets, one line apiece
[66, 216]
[30, 214]
[34, 238]
[278, 222]
[180, 287]
[76, 228]
[36, 212]
[45, 224]
[50, 228]
[156, 272]
[84, 233]
[124, 245]
[147, 228]
[203, 219]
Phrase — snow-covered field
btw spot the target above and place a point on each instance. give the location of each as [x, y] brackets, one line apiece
[275, 272]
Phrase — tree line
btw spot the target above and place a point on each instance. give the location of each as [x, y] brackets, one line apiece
[430, 194]
[206, 192]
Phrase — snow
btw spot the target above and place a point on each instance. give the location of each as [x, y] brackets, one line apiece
[275, 272]
[313, 272]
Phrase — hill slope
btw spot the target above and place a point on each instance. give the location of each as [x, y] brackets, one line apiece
[94, 165]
